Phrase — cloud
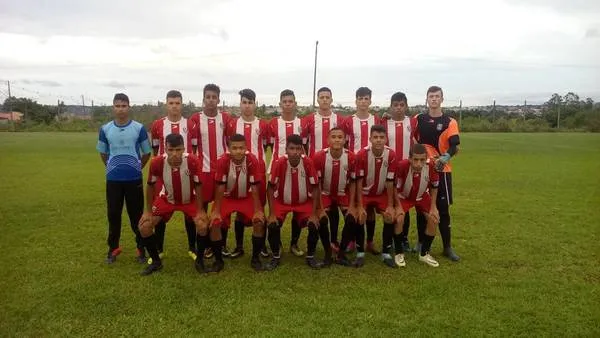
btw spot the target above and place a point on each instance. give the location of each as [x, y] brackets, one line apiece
[43, 83]
[592, 33]
[562, 6]
[109, 18]
[121, 85]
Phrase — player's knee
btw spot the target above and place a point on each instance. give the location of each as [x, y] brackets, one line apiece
[258, 228]
[273, 225]
[323, 221]
[388, 218]
[350, 220]
[145, 231]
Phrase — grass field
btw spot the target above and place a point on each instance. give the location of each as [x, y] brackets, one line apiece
[525, 221]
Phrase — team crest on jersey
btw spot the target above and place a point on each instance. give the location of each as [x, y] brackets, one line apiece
[385, 163]
[408, 128]
[187, 172]
[345, 167]
[439, 127]
[184, 129]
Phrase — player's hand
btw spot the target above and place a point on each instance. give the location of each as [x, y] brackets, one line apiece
[353, 211]
[399, 217]
[146, 218]
[271, 219]
[441, 162]
[389, 213]
[215, 215]
[201, 217]
[434, 214]
[362, 215]
[314, 218]
[259, 216]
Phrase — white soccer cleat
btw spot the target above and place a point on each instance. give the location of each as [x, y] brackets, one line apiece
[399, 259]
[429, 260]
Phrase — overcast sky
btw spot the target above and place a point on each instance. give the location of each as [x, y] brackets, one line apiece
[477, 51]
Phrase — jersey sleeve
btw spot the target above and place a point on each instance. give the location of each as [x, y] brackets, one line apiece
[222, 170]
[155, 171]
[391, 172]
[102, 145]
[319, 163]
[274, 179]
[253, 173]
[143, 141]
[310, 171]
[434, 176]
[360, 161]
[351, 166]
[154, 134]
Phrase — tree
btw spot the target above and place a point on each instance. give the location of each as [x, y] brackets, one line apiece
[31, 110]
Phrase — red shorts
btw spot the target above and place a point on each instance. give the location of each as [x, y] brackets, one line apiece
[208, 186]
[424, 205]
[340, 201]
[301, 211]
[379, 202]
[243, 206]
[165, 210]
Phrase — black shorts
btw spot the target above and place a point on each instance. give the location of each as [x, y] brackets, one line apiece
[444, 195]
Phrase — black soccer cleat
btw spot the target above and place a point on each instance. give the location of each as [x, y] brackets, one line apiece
[217, 266]
[199, 265]
[343, 260]
[151, 268]
[451, 255]
[275, 261]
[257, 265]
[389, 262]
[265, 252]
[313, 263]
[327, 261]
[359, 262]
[237, 252]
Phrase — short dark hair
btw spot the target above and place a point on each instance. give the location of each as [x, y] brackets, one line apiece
[399, 97]
[434, 89]
[294, 139]
[287, 92]
[211, 87]
[121, 97]
[174, 140]
[323, 89]
[417, 149]
[336, 128]
[248, 94]
[363, 91]
[377, 128]
[173, 94]
[237, 138]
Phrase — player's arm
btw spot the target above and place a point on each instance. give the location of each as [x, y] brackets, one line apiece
[352, 198]
[150, 192]
[102, 146]
[104, 158]
[271, 201]
[219, 193]
[433, 211]
[144, 146]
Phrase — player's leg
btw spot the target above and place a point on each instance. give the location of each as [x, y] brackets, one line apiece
[258, 235]
[421, 226]
[444, 200]
[274, 238]
[387, 239]
[149, 240]
[324, 224]
[114, 207]
[207, 250]
[296, 231]
[333, 213]
[190, 231]
[359, 235]
[406, 226]
[348, 235]
[216, 243]
[371, 220]
[134, 201]
[311, 245]
[239, 226]
[202, 242]
[425, 256]
[159, 232]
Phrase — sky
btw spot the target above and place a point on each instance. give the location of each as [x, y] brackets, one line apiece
[477, 51]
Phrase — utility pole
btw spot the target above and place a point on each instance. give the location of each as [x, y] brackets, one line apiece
[558, 117]
[460, 113]
[315, 74]
[494, 112]
[8, 83]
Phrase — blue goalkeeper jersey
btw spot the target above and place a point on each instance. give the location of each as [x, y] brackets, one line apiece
[124, 145]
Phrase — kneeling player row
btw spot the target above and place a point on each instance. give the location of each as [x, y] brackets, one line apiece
[360, 185]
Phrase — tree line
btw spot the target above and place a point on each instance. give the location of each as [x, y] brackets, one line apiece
[560, 113]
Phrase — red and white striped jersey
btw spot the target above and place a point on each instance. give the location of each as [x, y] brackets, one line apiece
[238, 178]
[412, 185]
[358, 131]
[177, 182]
[293, 185]
[401, 135]
[318, 127]
[161, 128]
[335, 174]
[212, 142]
[255, 132]
[375, 170]
[279, 130]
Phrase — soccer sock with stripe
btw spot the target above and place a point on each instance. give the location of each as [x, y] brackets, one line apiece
[388, 236]
[150, 244]
[426, 244]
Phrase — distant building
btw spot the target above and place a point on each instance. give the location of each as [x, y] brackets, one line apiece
[14, 116]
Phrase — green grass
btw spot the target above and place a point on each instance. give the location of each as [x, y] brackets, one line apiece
[525, 222]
